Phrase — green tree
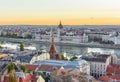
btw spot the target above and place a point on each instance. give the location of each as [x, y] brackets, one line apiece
[29, 36]
[14, 36]
[10, 67]
[73, 58]
[21, 47]
[34, 72]
[12, 73]
[0, 75]
[23, 68]
[63, 57]
[1, 46]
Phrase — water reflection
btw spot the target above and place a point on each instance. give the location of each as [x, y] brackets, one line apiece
[69, 50]
[73, 50]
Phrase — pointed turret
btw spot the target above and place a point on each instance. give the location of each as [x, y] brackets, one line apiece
[52, 48]
[60, 26]
[53, 53]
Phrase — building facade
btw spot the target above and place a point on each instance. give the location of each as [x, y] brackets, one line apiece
[115, 37]
[98, 64]
[31, 58]
[63, 36]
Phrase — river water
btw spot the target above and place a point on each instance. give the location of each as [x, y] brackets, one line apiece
[68, 50]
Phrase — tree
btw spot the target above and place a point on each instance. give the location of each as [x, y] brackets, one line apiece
[73, 58]
[21, 47]
[63, 57]
[34, 72]
[10, 67]
[23, 68]
[0, 76]
[12, 76]
[12, 73]
[1, 46]
[29, 36]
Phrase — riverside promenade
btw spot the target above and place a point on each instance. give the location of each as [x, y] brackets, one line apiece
[61, 43]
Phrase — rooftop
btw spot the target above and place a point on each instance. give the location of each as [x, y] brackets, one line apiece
[31, 67]
[73, 74]
[48, 68]
[20, 74]
[27, 58]
[3, 55]
[110, 78]
[113, 68]
[64, 63]
[96, 57]
[51, 62]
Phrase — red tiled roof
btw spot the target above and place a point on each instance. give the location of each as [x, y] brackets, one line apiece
[28, 78]
[31, 67]
[113, 68]
[107, 78]
[34, 78]
[48, 68]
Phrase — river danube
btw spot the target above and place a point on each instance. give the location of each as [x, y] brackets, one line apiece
[68, 50]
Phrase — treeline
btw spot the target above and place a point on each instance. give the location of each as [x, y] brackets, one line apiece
[8, 35]
[95, 39]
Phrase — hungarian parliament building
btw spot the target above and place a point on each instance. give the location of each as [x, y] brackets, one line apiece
[62, 36]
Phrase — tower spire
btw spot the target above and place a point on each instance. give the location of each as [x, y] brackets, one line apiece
[52, 48]
[60, 22]
[53, 53]
[60, 25]
[52, 39]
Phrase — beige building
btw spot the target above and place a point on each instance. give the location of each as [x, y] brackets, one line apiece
[41, 56]
[3, 55]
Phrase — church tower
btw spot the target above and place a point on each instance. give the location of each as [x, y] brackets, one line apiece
[52, 48]
[60, 26]
[59, 31]
[53, 53]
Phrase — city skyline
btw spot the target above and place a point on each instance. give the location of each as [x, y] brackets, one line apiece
[70, 12]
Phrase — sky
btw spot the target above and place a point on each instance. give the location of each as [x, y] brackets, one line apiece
[50, 12]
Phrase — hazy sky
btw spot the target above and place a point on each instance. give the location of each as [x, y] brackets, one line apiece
[52, 11]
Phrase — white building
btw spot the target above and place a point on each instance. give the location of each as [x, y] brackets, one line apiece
[82, 65]
[118, 59]
[98, 64]
[69, 37]
[112, 37]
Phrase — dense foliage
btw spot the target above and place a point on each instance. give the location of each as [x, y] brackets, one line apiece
[21, 47]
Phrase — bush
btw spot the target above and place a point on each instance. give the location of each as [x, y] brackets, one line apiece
[21, 47]
[23, 68]
[63, 57]
[73, 58]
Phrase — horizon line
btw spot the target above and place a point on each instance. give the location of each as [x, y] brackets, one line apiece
[63, 24]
